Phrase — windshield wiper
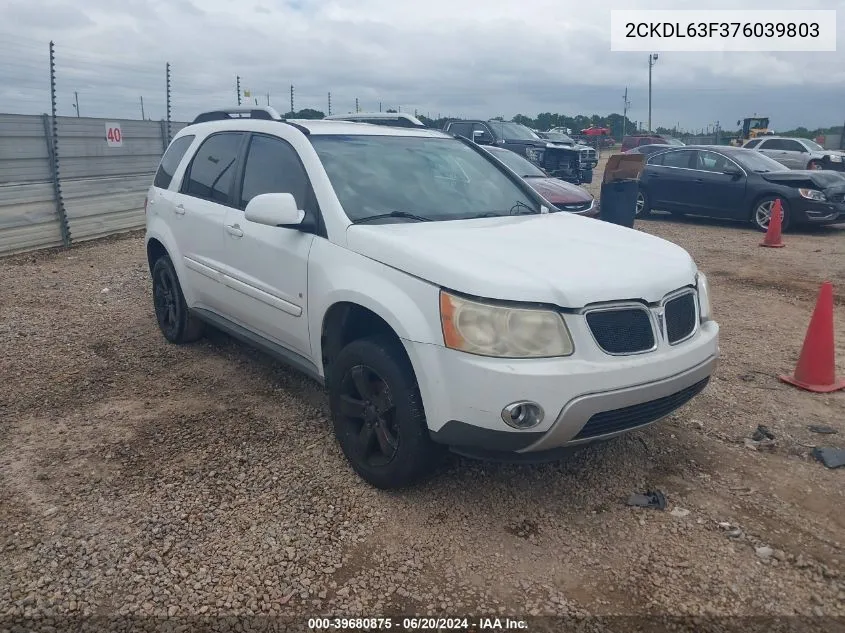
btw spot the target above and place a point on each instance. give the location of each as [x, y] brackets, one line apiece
[393, 214]
[486, 214]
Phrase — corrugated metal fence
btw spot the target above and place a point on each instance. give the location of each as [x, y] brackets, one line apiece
[96, 187]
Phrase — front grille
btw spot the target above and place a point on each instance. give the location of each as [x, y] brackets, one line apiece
[639, 414]
[588, 156]
[575, 207]
[622, 330]
[837, 198]
[681, 317]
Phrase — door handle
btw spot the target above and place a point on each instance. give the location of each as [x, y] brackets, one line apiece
[699, 181]
[179, 209]
[234, 230]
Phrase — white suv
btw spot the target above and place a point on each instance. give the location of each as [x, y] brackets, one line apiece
[426, 285]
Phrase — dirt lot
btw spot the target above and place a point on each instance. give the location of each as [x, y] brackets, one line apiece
[142, 478]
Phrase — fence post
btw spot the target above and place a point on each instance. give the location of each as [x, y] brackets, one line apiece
[167, 68]
[51, 135]
[163, 129]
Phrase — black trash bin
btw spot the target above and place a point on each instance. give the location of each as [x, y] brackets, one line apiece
[618, 202]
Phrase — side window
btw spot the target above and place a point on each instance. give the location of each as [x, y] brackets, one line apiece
[170, 161]
[212, 172]
[794, 146]
[708, 161]
[680, 158]
[656, 159]
[486, 135]
[752, 143]
[272, 166]
[460, 128]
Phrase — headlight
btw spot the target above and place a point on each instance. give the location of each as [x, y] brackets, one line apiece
[502, 331]
[532, 153]
[812, 194]
[703, 297]
[835, 158]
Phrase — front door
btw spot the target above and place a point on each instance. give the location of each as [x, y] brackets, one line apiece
[266, 267]
[717, 194]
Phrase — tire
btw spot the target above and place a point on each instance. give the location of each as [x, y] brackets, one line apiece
[174, 319]
[762, 207]
[643, 209]
[377, 413]
[815, 164]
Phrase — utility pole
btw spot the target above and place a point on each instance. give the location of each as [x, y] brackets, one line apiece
[76, 105]
[625, 112]
[142, 109]
[379, 106]
[291, 99]
[652, 60]
[356, 105]
[238, 85]
[268, 99]
[330, 104]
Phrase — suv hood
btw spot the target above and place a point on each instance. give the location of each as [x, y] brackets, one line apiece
[556, 258]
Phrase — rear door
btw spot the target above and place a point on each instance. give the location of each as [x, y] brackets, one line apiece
[669, 179]
[200, 206]
[776, 149]
[717, 194]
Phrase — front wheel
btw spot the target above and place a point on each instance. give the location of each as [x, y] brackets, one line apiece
[762, 213]
[377, 413]
[643, 208]
[815, 165]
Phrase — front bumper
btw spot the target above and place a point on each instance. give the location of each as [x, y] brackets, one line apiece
[589, 398]
[812, 212]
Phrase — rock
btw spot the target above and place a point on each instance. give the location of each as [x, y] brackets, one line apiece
[679, 512]
[765, 552]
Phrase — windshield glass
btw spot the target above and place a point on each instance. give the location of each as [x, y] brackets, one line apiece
[755, 161]
[513, 131]
[812, 145]
[437, 178]
[520, 165]
[673, 141]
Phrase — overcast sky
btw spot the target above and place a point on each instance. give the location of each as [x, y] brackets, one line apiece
[457, 57]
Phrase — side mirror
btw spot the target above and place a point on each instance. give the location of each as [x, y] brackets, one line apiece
[274, 209]
[732, 171]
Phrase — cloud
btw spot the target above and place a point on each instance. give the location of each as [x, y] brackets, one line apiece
[468, 58]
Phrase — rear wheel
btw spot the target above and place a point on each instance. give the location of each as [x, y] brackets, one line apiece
[174, 319]
[378, 415]
[643, 208]
[762, 213]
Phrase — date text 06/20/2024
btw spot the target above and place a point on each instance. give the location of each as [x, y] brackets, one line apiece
[466, 625]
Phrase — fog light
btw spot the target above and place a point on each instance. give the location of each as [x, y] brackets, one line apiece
[522, 415]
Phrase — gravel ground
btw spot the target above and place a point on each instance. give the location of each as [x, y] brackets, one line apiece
[139, 478]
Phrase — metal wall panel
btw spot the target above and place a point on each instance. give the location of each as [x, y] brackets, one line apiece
[28, 219]
[23, 149]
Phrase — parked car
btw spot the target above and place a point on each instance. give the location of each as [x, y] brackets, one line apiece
[426, 285]
[573, 163]
[646, 149]
[635, 140]
[563, 195]
[395, 119]
[738, 184]
[798, 153]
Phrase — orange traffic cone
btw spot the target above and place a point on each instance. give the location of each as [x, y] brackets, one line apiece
[816, 369]
[772, 238]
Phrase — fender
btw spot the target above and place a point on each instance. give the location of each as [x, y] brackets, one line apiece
[159, 230]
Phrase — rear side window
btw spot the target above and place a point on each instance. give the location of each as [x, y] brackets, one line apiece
[171, 159]
[212, 171]
[461, 129]
[753, 143]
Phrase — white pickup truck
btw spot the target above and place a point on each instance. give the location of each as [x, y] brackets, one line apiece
[425, 285]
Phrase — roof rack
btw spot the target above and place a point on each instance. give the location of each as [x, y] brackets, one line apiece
[241, 112]
[264, 113]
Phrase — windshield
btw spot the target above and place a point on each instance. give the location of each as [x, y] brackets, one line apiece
[673, 141]
[436, 178]
[755, 161]
[513, 131]
[520, 165]
[758, 123]
[812, 145]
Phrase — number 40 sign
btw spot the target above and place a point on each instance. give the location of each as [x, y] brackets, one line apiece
[114, 137]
